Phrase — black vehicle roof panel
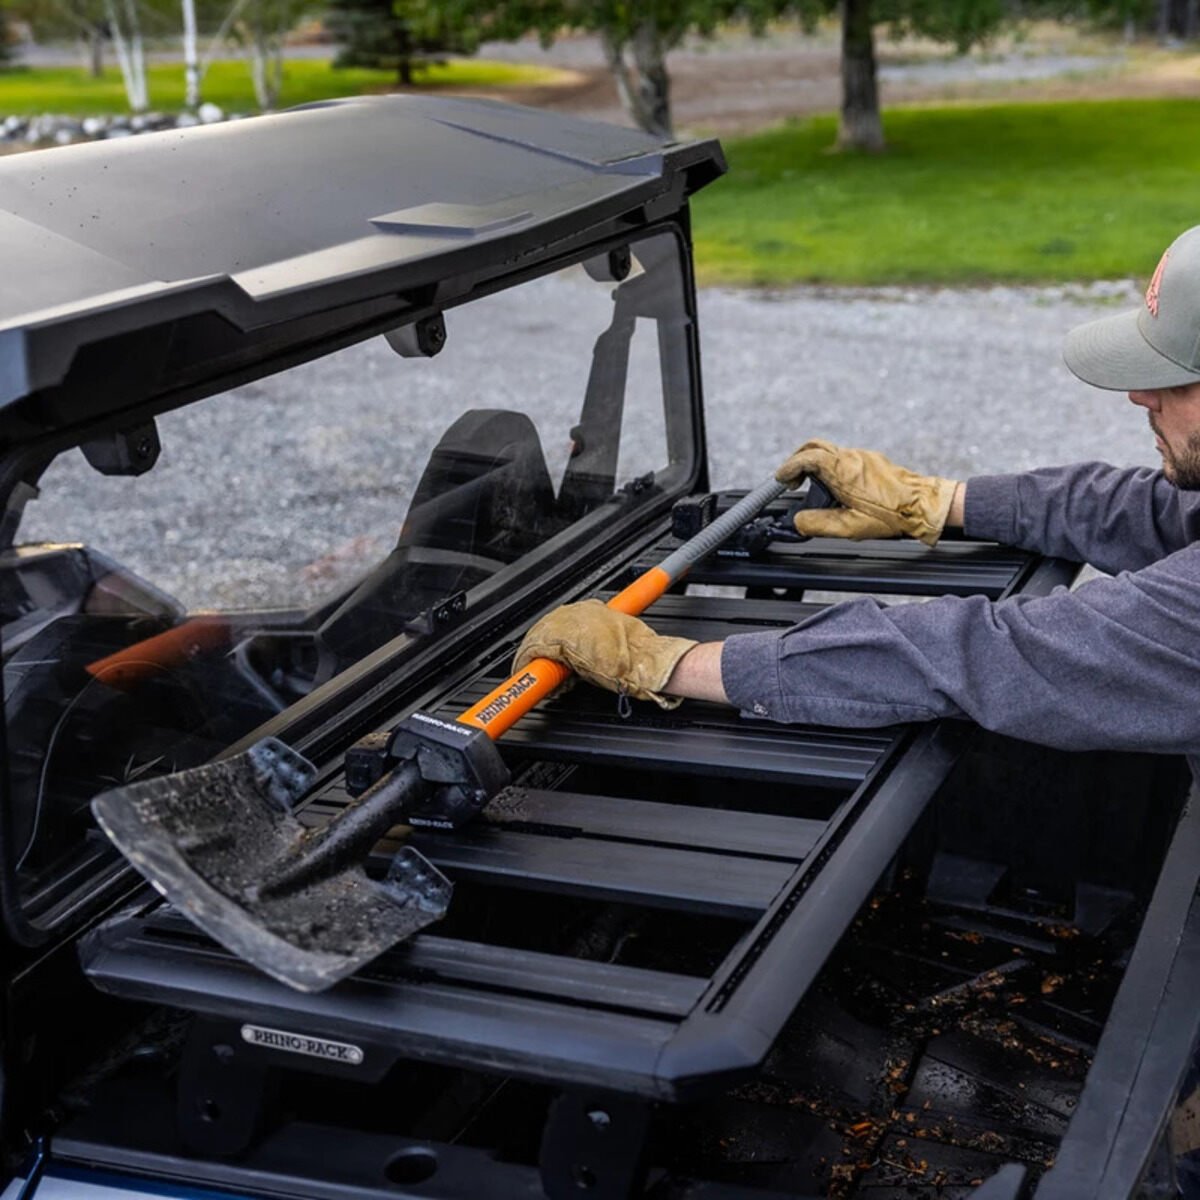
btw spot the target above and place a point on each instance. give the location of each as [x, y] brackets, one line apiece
[295, 214]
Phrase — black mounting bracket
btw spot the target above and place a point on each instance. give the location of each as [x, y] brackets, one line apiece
[224, 1093]
[460, 761]
[440, 616]
[594, 1144]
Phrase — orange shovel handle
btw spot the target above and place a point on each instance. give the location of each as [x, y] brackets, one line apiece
[502, 707]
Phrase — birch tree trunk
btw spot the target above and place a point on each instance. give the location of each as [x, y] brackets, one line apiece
[130, 52]
[861, 127]
[265, 44]
[191, 57]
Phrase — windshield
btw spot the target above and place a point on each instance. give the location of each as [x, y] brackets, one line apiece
[294, 525]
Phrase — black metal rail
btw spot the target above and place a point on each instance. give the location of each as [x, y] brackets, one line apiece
[955, 567]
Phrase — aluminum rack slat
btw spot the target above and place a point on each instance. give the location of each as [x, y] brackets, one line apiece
[896, 566]
[504, 968]
[684, 826]
[635, 989]
[434, 1021]
[802, 757]
[736, 613]
[688, 880]
[888, 568]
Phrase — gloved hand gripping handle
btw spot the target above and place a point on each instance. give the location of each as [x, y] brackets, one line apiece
[505, 705]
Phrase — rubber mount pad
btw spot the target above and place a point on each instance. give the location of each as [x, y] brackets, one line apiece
[205, 838]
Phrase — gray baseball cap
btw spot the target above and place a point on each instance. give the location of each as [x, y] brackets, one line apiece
[1156, 345]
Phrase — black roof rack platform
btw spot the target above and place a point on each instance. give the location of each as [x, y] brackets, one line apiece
[756, 844]
[784, 878]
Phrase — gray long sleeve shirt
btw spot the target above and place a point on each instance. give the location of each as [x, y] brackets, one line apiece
[1114, 664]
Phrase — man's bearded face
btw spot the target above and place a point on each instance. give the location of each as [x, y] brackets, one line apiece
[1181, 464]
[1174, 415]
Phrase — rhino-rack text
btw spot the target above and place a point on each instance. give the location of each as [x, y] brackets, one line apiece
[501, 702]
[298, 1043]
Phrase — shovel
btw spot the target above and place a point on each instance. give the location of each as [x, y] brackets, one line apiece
[221, 843]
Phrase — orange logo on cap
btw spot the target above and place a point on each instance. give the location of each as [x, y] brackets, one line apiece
[1155, 283]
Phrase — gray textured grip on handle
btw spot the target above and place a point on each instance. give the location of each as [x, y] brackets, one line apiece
[711, 536]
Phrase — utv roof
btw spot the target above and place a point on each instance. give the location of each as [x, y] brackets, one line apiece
[179, 263]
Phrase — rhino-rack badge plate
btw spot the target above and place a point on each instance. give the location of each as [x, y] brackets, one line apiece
[300, 1043]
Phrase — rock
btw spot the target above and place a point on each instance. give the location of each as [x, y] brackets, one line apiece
[119, 133]
[14, 126]
[186, 121]
[137, 122]
[210, 113]
[93, 126]
[63, 137]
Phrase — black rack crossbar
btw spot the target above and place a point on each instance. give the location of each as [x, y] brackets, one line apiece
[955, 567]
[659, 877]
[540, 1037]
[505, 968]
[887, 567]
[760, 834]
[616, 818]
[698, 739]
[656, 876]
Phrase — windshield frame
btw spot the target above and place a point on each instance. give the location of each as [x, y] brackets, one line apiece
[336, 713]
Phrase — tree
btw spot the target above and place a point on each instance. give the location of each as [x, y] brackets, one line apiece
[399, 35]
[6, 49]
[80, 20]
[97, 22]
[636, 39]
[125, 27]
[191, 56]
[960, 23]
[260, 27]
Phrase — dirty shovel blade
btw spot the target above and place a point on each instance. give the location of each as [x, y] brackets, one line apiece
[206, 837]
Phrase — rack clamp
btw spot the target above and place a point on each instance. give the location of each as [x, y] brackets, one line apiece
[462, 763]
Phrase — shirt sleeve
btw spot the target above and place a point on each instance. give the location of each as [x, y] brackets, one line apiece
[1113, 665]
[1116, 519]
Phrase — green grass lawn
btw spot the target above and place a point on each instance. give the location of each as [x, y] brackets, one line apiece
[72, 90]
[1016, 192]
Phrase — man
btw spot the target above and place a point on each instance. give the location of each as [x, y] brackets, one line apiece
[1114, 664]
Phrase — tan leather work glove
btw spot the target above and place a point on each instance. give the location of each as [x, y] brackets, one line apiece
[607, 648]
[881, 499]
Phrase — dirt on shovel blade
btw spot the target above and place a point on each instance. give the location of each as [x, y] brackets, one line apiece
[205, 838]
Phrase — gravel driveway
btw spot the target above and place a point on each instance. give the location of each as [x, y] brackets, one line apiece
[284, 489]
[957, 382]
